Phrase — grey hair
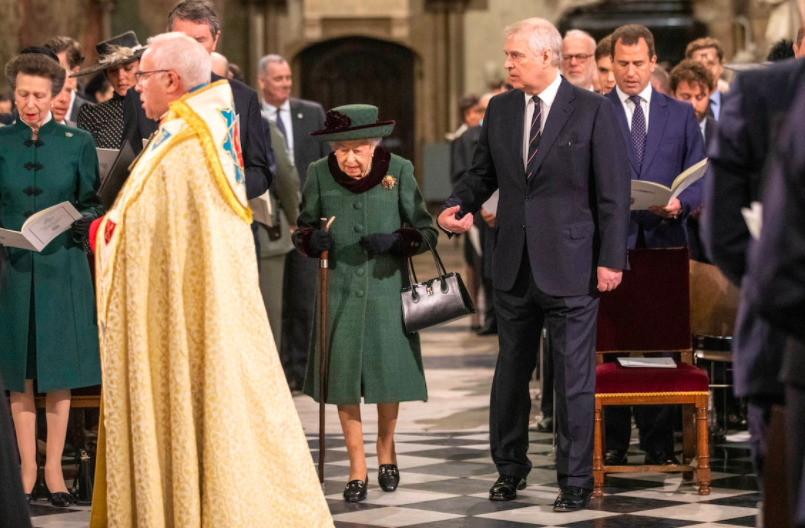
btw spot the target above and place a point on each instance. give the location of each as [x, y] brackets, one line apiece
[196, 11]
[182, 54]
[262, 67]
[578, 33]
[371, 141]
[542, 35]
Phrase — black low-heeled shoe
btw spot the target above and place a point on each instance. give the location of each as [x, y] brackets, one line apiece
[61, 499]
[29, 497]
[355, 490]
[388, 476]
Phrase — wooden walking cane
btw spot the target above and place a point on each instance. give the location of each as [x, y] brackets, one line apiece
[324, 351]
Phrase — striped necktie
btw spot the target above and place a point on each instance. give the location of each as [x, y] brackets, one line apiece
[280, 124]
[534, 135]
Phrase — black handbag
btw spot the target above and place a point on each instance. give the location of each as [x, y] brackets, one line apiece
[435, 301]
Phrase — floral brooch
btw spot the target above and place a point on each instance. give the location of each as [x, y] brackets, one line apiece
[388, 181]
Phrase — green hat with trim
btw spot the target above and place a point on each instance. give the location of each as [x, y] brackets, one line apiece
[351, 122]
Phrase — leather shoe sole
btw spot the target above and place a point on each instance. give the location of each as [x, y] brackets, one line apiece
[572, 499]
[505, 488]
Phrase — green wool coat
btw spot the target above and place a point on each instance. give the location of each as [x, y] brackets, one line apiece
[66, 331]
[370, 353]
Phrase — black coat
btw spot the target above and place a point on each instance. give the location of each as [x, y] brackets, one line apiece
[136, 127]
[749, 127]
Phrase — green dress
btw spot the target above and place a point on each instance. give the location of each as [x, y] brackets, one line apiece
[370, 353]
[47, 302]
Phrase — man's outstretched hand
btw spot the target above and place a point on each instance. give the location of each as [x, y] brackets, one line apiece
[447, 219]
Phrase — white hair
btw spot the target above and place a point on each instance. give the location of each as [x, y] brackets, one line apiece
[374, 142]
[579, 34]
[542, 35]
[182, 54]
[262, 66]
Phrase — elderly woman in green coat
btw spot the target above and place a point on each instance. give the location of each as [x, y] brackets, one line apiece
[380, 218]
[47, 303]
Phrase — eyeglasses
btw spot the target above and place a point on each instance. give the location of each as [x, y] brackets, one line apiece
[140, 76]
[581, 57]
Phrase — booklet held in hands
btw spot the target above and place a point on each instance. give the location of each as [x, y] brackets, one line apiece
[41, 228]
[646, 194]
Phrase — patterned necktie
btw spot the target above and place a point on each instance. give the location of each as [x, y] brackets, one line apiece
[281, 125]
[534, 135]
[638, 128]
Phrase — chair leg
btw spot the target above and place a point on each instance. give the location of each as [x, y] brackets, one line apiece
[598, 459]
[703, 448]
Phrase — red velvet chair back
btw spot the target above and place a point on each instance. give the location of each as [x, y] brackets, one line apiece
[650, 309]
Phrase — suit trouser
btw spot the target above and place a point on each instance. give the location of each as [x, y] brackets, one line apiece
[13, 506]
[570, 321]
[298, 307]
[272, 273]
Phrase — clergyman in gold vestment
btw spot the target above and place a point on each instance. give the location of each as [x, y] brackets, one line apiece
[198, 429]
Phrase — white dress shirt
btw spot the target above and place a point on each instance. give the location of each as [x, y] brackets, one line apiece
[546, 98]
[284, 113]
[629, 106]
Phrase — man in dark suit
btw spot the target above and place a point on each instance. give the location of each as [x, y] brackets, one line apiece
[748, 132]
[663, 139]
[198, 20]
[296, 119]
[774, 284]
[554, 152]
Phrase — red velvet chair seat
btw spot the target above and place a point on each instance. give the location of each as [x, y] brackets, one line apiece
[612, 378]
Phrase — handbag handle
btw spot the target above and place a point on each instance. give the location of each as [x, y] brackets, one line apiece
[440, 270]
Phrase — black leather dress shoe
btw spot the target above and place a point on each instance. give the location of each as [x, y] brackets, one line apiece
[505, 488]
[615, 457]
[660, 458]
[545, 425]
[61, 499]
[486, 330]
[571, 499]
[355, 490]
[388, 476]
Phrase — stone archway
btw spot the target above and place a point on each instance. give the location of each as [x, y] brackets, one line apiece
[363, 70]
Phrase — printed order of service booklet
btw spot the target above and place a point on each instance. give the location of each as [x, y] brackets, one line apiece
[41, 228]
[646, 194]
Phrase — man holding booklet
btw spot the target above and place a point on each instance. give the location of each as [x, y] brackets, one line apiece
[663, 139]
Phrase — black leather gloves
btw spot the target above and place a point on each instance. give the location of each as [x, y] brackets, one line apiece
[379, 243]
[320, 240]
[80, 232]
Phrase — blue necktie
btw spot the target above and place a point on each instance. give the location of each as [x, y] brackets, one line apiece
[281, 125]
[638, 129]
[533, 137]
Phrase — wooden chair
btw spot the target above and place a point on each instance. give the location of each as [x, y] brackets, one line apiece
[649, 313]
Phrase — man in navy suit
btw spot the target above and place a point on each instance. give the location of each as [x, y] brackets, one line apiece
[554, 152]
[748, 131]
[198, 20]
[663, 139]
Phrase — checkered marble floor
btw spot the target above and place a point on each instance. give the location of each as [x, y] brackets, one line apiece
[446, 470]
[445, 478]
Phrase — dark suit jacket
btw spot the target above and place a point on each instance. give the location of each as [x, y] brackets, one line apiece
[136, 127]
[709, 131]
[748, 133]
[77, 104]
[674, 143]
[572, 215]
[307, 117]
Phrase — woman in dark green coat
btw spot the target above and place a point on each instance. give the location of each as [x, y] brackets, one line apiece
[380, 218]
[46, 298]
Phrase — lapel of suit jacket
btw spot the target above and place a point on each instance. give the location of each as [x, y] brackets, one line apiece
[623, 125]
[297, 127]
[557, 117]
[657, 119]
